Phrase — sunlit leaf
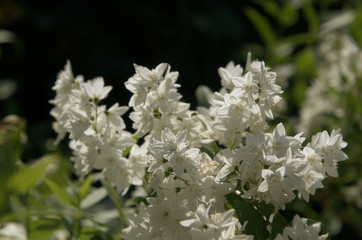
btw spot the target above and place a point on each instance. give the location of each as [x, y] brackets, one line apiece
[43, 228]
[106, 216]
[115, 198]
[63, 195]
[84, 189]
[26, 176]
[94, 197]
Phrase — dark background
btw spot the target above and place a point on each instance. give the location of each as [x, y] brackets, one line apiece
[105, 38]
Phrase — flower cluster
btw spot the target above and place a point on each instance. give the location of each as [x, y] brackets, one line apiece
[340, 64]
[194, 159]
[97, 134]
[301, 230]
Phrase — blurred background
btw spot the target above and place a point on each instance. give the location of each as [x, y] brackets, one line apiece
[301, 40]
[105, 38]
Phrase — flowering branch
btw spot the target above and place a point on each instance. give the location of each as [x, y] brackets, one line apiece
[205, 167]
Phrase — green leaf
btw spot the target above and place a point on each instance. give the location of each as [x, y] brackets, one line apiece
[115, 198]
[264, 209]
[278, 225]
[215, 147]
[84, 189]
[262, 25]
[126, 151]
[105, 216]
[17, 207]
[42, 228]
[63, 195]
[26, 177]
[270, 6]
[356, 30]
[312, 17]
[256, 225]
[207, 151]
[306, 61]
[67, 225]
[135, 201]
[94, 197]
[91, 233]
[12, 138]
[287, 15]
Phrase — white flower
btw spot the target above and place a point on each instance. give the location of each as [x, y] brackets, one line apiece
[234, 107]
[278, 141]
[300, 230]
[113, 116]
[64, 87]
[215, 191]
[233, 112]
[274, 182]
[139, 92]
[312, 181]
[95, 89]
[79, 122]
[226, 74]
[230, 163]
[119, 173]
[185, 160]
[149, 78]
[165, 216]
[65, 80]
[13, 230]
[170, 143]
[142, 119]
[211, 226]
[312, 159]
[137, 163]
[249, 87]
[253, 150]
[329, 147]
[164, 97]
[209, 166]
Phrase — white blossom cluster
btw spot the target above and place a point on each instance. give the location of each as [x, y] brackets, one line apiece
[244, 103]
[301, 230]
[194, 158]
[97, 134]
[340, 64]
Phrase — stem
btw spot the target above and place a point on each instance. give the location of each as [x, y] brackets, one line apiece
[232, 145]
[116, 199]
[78, 225]
[96, 116]
[185, 181]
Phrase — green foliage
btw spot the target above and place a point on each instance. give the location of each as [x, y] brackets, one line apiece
[61, 193]
[42, 196]
[330, 206]
[85, 188]
[27, 176]
[258, 216]
[256, 224]
[262, 25]
[278, 225]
